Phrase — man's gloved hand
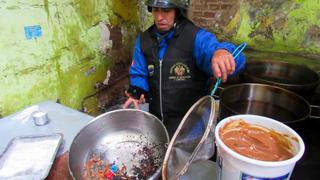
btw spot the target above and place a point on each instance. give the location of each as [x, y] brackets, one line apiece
[222, 64]
[136, 96]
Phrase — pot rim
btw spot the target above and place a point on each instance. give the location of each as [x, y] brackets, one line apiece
[307, 104]
[302, 86]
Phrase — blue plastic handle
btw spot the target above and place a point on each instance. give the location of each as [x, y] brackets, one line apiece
[216, 85]
[238, 50]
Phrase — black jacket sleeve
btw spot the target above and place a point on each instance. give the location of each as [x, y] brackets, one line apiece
[136, 92]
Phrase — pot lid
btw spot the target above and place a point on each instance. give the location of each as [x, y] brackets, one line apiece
[193, 139]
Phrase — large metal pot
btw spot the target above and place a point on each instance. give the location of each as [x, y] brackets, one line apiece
[297, 78]
[265, 100]
[119, 136]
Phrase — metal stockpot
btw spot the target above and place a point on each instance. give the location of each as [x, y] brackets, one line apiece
[265, 100]
[297, 78]
[118, 136]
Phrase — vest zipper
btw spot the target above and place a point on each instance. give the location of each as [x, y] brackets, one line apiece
[161, 109]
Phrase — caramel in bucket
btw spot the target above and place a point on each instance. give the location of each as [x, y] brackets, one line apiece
[255, 141]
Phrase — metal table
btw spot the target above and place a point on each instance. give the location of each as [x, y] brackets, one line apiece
[62, 120]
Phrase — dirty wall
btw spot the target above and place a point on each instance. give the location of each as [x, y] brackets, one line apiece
[60, 50]
[64, 50]
[291, 29]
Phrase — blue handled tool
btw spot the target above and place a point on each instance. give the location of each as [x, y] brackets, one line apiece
[235, 54]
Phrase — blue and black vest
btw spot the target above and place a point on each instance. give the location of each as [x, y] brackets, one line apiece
[178, 83]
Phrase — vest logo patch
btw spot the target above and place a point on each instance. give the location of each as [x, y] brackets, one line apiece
[151, 70]
[179, 72]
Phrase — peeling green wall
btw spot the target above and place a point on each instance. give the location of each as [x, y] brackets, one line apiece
[65, 61]
[276, 26]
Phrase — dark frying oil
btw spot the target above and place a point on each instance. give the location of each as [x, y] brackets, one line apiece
[264, 109]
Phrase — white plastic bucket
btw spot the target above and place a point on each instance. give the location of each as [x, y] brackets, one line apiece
[233, 166]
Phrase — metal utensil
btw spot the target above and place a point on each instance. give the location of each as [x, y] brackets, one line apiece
[294, 77]
[193, 140]
[119, 137]
[265, 100]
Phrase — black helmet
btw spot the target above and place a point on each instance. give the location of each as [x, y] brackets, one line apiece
[179, 4]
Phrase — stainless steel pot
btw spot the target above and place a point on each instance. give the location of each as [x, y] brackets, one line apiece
[119, 136]
[264, 100]
[297, 78]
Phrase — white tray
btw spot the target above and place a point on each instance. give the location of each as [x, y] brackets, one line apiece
[29, 157]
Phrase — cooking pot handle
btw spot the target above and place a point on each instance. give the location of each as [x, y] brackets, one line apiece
[315, 112]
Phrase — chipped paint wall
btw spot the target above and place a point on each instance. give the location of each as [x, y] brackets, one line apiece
[268, 25]
[59, 49]
[285, 26]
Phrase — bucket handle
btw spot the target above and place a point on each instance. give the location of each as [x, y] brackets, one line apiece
[315, 112]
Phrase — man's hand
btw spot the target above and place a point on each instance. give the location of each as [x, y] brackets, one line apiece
[135, 102]
[222, 64]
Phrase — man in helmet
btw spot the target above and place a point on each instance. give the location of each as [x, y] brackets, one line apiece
[173, 61]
